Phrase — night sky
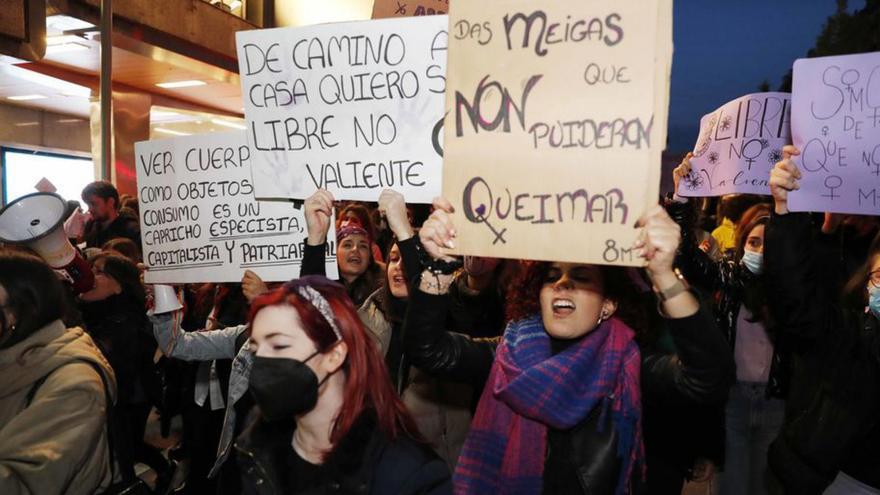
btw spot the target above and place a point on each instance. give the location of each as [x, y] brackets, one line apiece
[725, 49]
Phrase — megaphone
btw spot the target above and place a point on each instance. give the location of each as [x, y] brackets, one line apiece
[37, 221]
[165, 299]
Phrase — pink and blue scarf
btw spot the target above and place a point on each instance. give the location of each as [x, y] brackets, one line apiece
[530, 390]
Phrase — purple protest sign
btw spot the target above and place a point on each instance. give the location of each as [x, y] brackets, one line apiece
[738, 145]
[835, 122]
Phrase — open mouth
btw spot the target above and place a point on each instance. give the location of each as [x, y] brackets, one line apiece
[563, 307]
[398, 279]
[355, 260]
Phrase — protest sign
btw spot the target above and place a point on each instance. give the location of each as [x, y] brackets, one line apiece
[555, 126]
[352, 107]
[407, 8]
[200, 221]
[738, 145]
[835, 122]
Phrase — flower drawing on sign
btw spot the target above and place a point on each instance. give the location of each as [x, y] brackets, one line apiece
[713, 157]
[765, 144]
[693, 181]
[774, 156]
[725, 123]
[706, 138]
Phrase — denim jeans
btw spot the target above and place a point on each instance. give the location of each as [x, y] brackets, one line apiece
[752, 422]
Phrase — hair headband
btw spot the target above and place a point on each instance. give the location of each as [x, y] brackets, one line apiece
[320, 303]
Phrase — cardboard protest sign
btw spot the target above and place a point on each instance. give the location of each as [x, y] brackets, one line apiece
[557, 113]
[835, 122]
[200, 221]
[738, 145]
[353, 107]
[406, 8]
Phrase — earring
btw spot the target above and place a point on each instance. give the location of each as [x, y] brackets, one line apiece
[602, 317]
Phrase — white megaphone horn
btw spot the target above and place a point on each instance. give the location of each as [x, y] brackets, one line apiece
[37, 221]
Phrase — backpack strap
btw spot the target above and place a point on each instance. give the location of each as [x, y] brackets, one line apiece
[108, 405]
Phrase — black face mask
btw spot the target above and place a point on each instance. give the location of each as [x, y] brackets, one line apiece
[284, 388]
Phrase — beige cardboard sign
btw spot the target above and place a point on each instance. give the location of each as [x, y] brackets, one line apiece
[408, 8]
[555, 126]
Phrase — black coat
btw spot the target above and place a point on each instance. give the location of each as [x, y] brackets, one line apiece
[729, 281]
[121, 330]
[833, 407]
[364, 462]
[700, 372]
[124, 226]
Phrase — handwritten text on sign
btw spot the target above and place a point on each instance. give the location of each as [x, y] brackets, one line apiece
[549, 150]
[405, 8]
[836, 125]
[738, 145]
[352, 107]
[200, 221]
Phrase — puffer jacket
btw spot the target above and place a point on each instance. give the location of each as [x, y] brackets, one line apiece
[53, 423]
[728, 280]
[699, 372]
[832, 418]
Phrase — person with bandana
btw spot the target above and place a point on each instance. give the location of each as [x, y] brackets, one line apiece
[358, 271]
[756, 405]
[830, 442]
[328, 417]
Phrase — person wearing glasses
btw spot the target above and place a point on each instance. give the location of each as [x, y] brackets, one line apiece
[830, 441]
[564, 389]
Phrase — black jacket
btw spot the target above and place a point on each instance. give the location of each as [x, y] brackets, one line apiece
[729, 280]
[124, 226]
[700, 372]
[121, 330]
[833, 407]
[364, 462]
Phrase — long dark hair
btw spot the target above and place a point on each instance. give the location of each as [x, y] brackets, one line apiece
[36, 295]
[758, 214]
[126, 274]
[755, 295]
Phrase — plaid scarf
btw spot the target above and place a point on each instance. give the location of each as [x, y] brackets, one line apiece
[530, 390]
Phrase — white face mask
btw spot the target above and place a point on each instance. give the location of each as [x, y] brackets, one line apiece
[753, 261]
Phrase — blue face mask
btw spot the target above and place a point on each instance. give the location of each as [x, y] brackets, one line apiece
[874, 301]
[753, 261]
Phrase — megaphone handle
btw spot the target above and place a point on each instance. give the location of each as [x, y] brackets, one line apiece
[81, 273]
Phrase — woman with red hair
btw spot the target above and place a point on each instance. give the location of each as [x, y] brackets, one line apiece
[329, 418]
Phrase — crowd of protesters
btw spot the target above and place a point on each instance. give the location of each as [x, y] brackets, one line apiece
[745, 353]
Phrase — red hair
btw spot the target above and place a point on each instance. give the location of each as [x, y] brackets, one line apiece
[367, 383]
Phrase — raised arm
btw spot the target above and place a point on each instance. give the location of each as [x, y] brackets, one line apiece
[428, 344]
[433, 349]
[393, 207]
[800, 304]
[319, 213]
[702, 367]
[194, 346]
[696, 265]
